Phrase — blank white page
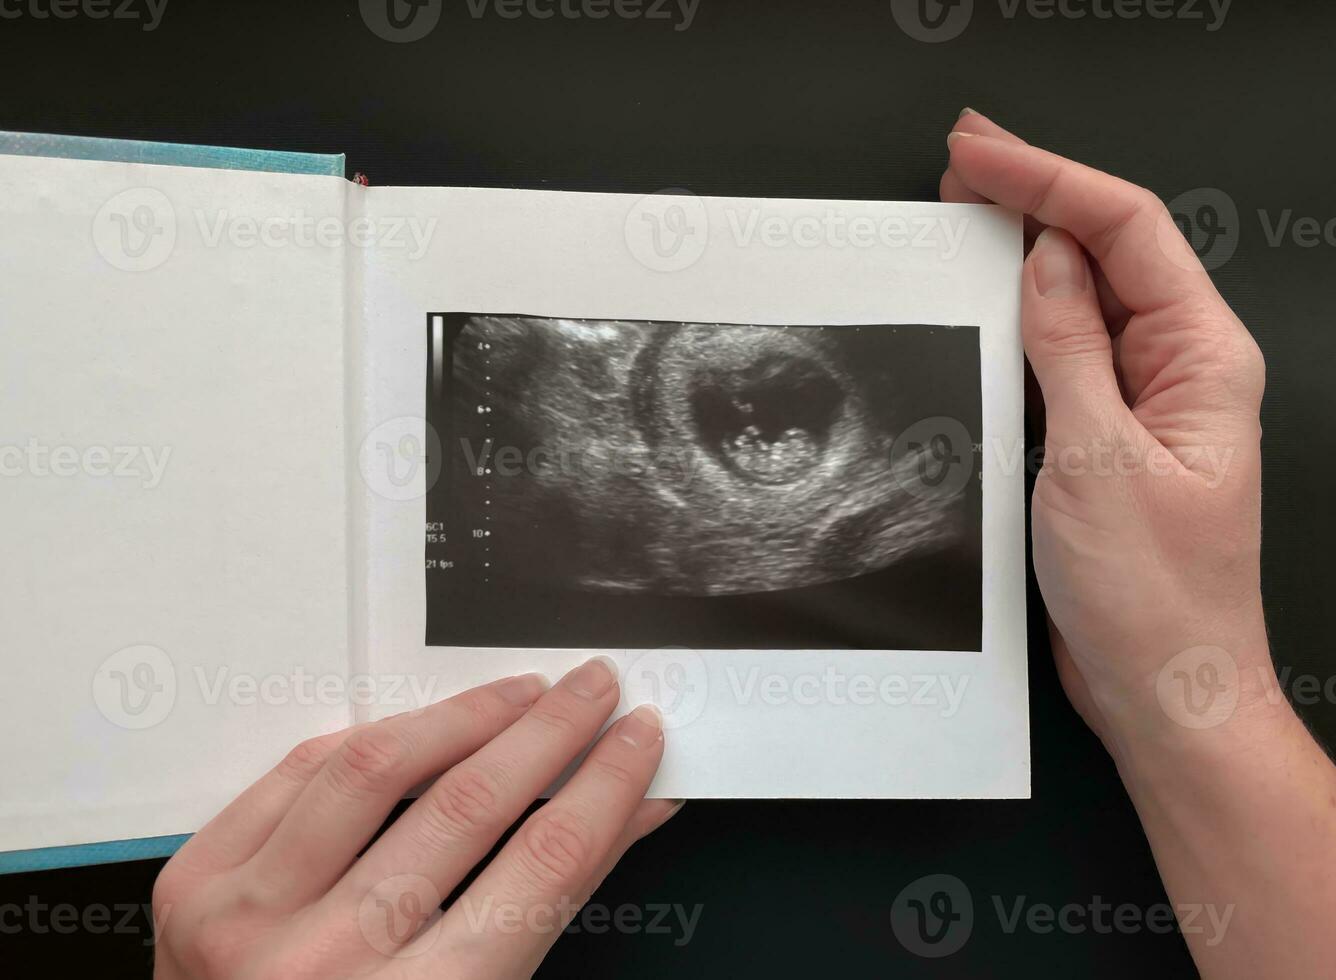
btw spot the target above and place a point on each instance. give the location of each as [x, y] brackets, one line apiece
[172, 495]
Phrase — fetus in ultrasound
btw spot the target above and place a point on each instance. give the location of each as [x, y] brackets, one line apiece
[704, 459]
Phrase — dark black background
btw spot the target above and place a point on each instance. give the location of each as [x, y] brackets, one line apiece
[800, 99]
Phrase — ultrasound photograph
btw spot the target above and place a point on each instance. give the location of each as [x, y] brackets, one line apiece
[638, 484]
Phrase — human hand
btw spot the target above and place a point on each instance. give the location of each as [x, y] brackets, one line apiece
[274, 885]
[1146, 513]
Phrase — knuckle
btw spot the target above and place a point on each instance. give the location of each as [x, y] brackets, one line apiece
[1070, 330]
[305, 759]
[1138, 205]
[1229, 348]
[214, 946]
[463, 802]
[613, 771]
[1044, 192]
[370, 761]
[483, 708]
[1148, 202]
[169, 887]
[554, 848]
[554, 720]
[1249, 363]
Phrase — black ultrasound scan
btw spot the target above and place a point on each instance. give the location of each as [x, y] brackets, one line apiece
[647, 484]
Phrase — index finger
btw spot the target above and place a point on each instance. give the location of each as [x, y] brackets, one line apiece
[1126, 228]
[505, 921]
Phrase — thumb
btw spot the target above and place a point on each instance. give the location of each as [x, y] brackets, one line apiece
[1064, 333]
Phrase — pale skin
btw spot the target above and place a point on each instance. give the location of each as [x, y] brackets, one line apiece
[1133, 349]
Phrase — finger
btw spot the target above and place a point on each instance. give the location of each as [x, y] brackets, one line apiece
[349, 798]
[1115, 313]
[955, 190]
[1124, 227]
[457, 821]
[1065, 338]
[974, 122]
[238, 831]
[541, 875]
[649, 817]
[952, 190]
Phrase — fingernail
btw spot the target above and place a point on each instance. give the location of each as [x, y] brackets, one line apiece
[954, 135]
[592, 679]
[523, 690]
[967, 111]
[642, 727]
[1059, 265]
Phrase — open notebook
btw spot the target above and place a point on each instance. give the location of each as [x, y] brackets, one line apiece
[280, 453]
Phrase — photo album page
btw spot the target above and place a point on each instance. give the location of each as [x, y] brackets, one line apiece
[753, 451]
[280, 453]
